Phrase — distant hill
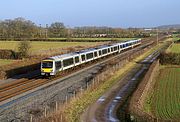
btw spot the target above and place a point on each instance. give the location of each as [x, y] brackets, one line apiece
[175, 26]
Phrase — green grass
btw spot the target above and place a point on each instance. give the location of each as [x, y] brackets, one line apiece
[175, 48]
[37, 45]
[165, 103]
[5, 62]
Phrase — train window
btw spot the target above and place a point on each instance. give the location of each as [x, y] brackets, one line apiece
[68, 62]
[47, 64]
[99, 52]
[95, 54]
[115, 48]
[58, 64]
[76, 59]
[104, 51]
[108, 50]
[118, 47]
[111, 49]
[83, 57]
[89, 55]
[121, 46]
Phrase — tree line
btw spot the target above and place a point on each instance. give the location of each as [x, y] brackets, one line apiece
[21, 28]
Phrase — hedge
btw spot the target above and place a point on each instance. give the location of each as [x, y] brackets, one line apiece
[170, 58]
[8, 54]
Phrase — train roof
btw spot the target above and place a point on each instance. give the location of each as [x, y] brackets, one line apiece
[103, 46]
[87, 50]
[63, 56]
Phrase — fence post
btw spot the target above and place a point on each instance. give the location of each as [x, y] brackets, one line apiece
[87, 85]
[61, 120]
[98, 79]
[93, 83]
[66, 99]
[45, 112]
[56, 106]
[31, 118]
[74, 94]
[81, 90]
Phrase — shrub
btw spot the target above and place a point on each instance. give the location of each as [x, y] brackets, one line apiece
[7, 54]
[23, 49]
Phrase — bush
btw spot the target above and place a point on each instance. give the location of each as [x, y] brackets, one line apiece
[7, 54]
[23, 49]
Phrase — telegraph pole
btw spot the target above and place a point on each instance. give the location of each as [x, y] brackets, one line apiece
[46, 33]
[40, 30]
[157, 36]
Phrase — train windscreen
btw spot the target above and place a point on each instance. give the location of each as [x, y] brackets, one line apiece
[47, 64]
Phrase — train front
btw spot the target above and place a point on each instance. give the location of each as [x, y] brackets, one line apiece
[47, 67]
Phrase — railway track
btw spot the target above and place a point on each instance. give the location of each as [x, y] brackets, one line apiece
[23, 85]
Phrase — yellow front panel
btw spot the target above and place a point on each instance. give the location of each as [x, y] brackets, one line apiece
[48, 70]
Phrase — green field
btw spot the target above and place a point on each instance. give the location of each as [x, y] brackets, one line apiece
[175, 48]
[165, 103]
[37, 46]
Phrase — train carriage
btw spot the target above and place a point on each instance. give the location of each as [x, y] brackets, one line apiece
[87, 55]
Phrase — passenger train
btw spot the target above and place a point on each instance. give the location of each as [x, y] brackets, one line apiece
[52, 65]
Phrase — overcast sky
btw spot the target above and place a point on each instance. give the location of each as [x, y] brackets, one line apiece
[114, 13]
